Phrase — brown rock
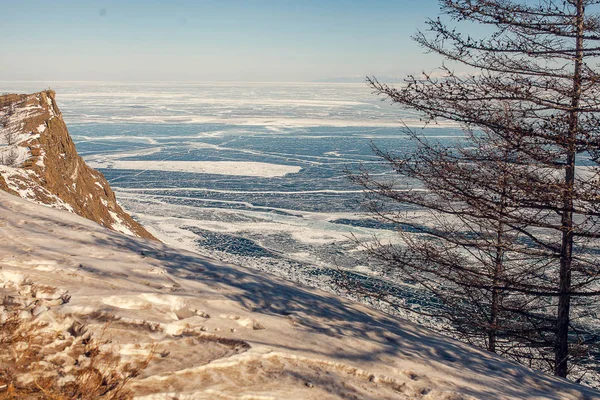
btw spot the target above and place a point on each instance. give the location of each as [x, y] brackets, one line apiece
[54, 165]
[4, 186]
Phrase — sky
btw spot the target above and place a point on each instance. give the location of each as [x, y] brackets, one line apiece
[221, 40]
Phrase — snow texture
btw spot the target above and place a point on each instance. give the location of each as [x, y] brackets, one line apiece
[228, 332]
[235, 168]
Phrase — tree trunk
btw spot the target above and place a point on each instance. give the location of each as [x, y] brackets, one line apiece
[495, 306]
[566, 250]
[498, 272]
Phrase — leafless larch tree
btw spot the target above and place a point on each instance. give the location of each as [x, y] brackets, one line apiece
[501, 227]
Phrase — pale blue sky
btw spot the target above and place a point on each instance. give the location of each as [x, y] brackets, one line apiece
[224, 40]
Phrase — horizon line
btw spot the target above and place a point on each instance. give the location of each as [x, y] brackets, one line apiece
[169, 81]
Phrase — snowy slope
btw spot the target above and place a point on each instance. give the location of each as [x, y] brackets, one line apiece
[226, 332]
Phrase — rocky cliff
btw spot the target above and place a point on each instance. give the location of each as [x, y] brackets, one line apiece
[38, 162]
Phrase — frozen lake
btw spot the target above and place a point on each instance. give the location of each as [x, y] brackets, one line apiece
[249, 173]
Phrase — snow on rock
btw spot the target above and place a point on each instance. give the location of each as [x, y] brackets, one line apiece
[39, 162]
[228, 332]
[18, 181]
[119, 225]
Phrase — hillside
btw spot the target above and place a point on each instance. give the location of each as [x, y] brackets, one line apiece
[38, 162]
[226, 332]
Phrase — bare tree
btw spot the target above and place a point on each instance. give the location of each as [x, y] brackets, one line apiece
[9, 159]
[10, 136]
[511, 237]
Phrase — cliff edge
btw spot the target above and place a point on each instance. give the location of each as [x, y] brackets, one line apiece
[38, 162]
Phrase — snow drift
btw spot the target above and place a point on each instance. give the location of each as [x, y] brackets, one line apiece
[228, 332]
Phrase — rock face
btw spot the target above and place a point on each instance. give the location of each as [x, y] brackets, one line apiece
[38, 162]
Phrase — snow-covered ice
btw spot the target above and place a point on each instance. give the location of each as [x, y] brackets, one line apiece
[236, 168]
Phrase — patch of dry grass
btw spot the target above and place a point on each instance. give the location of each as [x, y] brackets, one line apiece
[38, 362]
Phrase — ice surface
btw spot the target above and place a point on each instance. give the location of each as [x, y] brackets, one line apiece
[237, 168]
[275, 105]
[251, 174]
